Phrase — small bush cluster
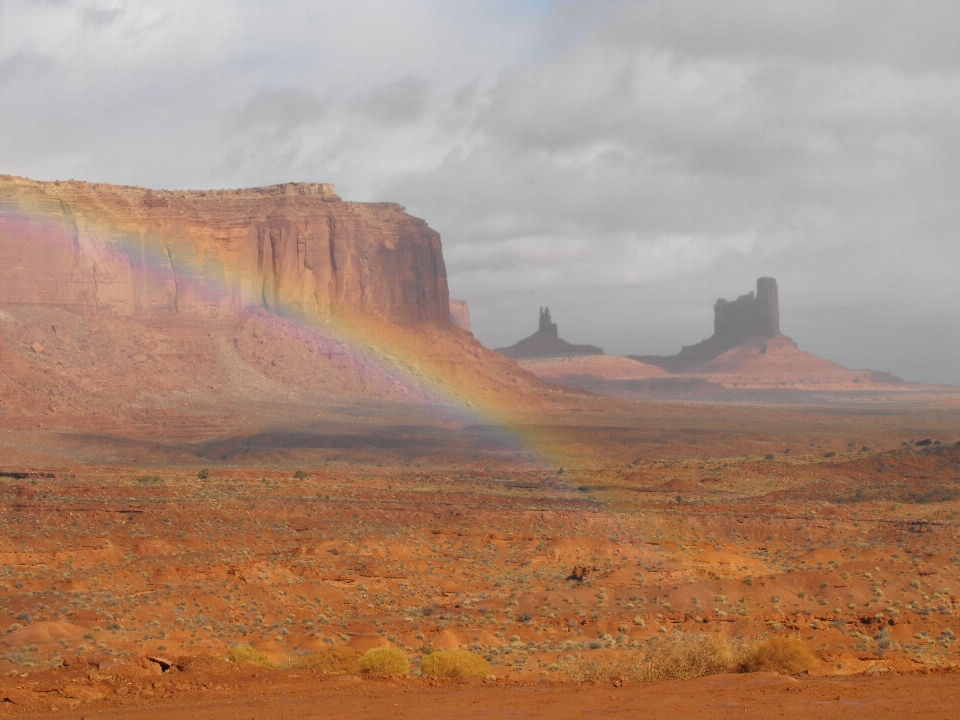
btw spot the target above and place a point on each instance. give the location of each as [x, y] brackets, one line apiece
[688, 656]
[336, 660]
[244, 654]
[785, 655]
[692, 655]
[384, 661]
[454, 664]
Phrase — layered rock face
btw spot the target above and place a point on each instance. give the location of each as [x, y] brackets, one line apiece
[294, 247]
[460, 314]
[546, 343]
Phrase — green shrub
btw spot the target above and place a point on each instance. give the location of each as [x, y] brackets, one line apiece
[455, 664]
[203, 474]
[384, 661]
[243, 654]
[301, 474]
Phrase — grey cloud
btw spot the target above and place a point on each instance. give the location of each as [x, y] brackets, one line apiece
[280, 110]
[23, 65]
[398, 102]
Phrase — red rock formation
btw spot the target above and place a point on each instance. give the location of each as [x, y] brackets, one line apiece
[133, 251]
[460, 314]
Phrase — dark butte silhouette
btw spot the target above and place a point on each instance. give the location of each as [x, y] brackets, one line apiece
[546, 343]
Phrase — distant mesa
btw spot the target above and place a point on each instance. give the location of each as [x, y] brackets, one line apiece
[750, 316]
[546, 343]
[460, 314]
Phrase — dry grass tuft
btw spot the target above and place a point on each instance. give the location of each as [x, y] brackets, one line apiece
[336, 660]
[455, 664]
[785, 655]
[243, 654]
[687, 656]
[680, 657]
[384, 661]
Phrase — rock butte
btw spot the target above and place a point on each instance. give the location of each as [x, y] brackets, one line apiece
[133, 251]
[747, 350]
[546, 343]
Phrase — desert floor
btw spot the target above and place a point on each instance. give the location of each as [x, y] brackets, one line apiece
[556, 547]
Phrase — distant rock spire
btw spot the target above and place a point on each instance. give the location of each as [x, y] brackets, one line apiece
[546, 343]
[547, 327]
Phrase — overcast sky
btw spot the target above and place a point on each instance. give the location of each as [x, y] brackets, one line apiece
[625, 163]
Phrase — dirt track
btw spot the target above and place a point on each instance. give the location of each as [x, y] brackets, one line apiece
[720, 696]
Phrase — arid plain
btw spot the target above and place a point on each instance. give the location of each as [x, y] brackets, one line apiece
[179, 484]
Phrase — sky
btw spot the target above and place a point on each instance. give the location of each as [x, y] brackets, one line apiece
[624, 163]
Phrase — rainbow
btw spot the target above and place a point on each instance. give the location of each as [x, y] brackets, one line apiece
[461, 395]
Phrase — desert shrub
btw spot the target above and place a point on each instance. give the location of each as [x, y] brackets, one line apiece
[454, 664]
[384, 661]
[301, 474]
[243, 654]
[687, 656]
[150, 480]
[584, 670]
[785, 655]
[336, 660]
[679, 657]
[203, 474]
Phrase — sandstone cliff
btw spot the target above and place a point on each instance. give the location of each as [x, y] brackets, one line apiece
[296, 247]
[546, 343]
